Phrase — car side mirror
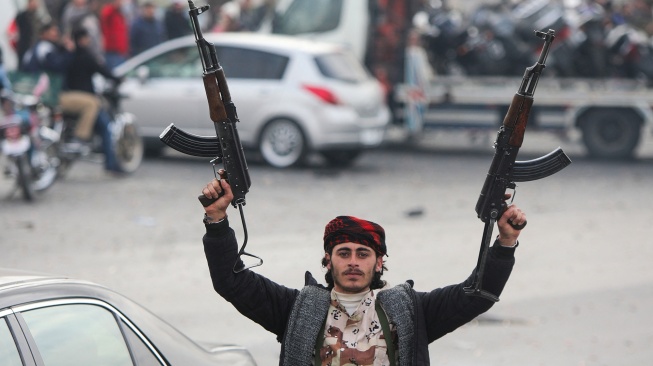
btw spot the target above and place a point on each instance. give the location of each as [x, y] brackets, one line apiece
[143, 73]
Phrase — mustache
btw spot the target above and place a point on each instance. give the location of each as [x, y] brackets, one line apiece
[353, 271]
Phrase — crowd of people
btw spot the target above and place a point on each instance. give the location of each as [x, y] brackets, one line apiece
[72, 40]
[120, 29]
[594, 38]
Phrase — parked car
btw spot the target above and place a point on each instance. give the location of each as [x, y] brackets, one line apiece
[293, 96]
[49, 320]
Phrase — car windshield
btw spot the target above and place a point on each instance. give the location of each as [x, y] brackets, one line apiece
[341, 66]
[243, 63]
[181, 62]
[308, 16]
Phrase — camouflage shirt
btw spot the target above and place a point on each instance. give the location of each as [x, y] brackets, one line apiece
[355, 339]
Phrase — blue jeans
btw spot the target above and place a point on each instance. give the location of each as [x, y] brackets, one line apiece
[113, 59]
[102, 126]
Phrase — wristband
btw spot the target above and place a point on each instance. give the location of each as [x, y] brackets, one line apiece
[508, 246]
[208, 220]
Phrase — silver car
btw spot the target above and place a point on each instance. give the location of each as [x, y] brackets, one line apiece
[50, 320]
[293, 96]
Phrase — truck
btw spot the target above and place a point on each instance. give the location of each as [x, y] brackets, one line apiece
[609, 115]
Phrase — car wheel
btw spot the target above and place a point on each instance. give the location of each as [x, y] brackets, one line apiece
[282, 143]
[343, 158]
[611, 134]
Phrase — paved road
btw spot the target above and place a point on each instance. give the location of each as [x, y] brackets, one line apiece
[580, 294]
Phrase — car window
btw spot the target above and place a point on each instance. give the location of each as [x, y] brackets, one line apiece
[308, 16]
[251, 64]
[141, 352]
[181, 62]
[9, 355]
[341, 66]
[77, 335]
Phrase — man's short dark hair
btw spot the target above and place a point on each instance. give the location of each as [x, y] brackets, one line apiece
[46, 27]
[80, 33]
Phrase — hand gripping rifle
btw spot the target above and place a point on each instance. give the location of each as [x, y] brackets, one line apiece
[505, 171]
[226, 148]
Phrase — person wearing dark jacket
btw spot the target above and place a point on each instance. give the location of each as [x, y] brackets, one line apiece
[176, 20]
[84, 65]
[356, 319]
[79, 78]
[146, 31]
[53, 54]
[29, 24]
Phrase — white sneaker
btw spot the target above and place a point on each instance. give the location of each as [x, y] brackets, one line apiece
[77, 146]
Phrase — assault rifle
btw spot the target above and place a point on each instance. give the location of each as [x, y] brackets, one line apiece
[226, 148]
[505, 171]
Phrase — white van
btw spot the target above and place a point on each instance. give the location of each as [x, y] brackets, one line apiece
[340, 21]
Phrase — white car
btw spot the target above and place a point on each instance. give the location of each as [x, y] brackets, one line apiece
[293, 96]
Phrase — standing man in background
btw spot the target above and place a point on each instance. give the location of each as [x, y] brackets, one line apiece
[176, 20]
[115, 31]
[29, 24]
[146, 31]
[81, 14]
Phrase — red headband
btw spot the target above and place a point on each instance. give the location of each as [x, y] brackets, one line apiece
[349, 229]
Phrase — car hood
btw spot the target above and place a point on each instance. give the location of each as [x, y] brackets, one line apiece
[228, 354]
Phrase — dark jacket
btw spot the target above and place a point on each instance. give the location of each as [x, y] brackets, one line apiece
[176, 23]
[46, 56]
[82, 68]
[145, 34]
[269, 304]
[28, 24]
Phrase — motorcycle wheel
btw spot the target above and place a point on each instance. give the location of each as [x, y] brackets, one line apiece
[45, 164]
[128, 146]
[24, 177]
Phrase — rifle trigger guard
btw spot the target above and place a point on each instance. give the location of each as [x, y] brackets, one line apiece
[215, 161]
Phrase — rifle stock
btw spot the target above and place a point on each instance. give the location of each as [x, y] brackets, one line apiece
[505, 170]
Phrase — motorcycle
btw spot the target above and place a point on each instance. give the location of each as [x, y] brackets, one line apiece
[125, 148]
[491, 48]
[28, 146]
[631, 53]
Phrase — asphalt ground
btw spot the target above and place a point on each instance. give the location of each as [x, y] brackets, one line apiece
[580, 294]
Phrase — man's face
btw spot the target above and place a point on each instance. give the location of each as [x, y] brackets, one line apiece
[85, 41]
[352, 267]
[148, 11]
[32, 5]
[51, 34]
